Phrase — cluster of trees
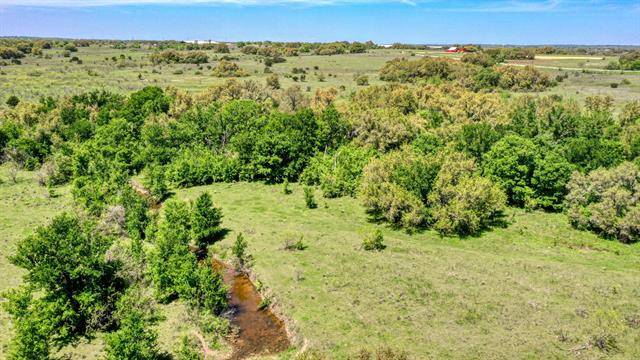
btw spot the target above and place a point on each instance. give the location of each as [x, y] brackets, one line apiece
[178, 272]
[82, 277]
[413, 190]
[96, 264]
[336, 48]
[179, 57]
[226, 68]
[506, 53]
[476, 71]
[275, 49]
[388, 145]
[8, 53]
[269, 51]
[628, 61]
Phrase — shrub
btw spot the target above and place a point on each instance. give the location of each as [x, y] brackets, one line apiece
[528, 78]
[208, 291]
[200, 166]
[171, 263]
[179, 57]
[285, 187]
[607, 201]
[402, 70]
[13, 101]
[462, 202]
[395, 187]
[228, 69]
[551, 174]
[374, 241]
[10, 53]
[136, 218]
[293, 242]
[34, 325]
[309, 197]
[188, 349]
[384, 353]
[134, 339]
[384, 128]
[477, 139]
[362, 80]
[70, 47]
[272, 81]
[221, 48]
[239, 248]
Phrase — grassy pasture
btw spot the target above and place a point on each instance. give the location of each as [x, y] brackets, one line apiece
[38, 77]
[535, 289]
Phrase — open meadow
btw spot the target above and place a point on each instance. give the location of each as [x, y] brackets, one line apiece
[125, 70]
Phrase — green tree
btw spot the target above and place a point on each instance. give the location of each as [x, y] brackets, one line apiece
[511, 163]
[549, 180]
[134, 339]
[208, 292]
[136, 217]
[155, 182]
[33, 325]
[477, 139]
[205, 221]
[65, 263]
[171, 261]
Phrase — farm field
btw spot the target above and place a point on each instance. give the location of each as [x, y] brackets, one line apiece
[132, 70]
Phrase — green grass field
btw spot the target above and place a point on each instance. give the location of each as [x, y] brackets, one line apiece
[38, 77]
[535, 289]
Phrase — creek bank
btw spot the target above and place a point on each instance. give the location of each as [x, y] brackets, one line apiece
[260, 331]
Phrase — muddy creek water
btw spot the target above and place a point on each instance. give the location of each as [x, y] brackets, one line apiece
[259, 331]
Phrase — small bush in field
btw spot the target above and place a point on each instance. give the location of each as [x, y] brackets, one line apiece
[374, 241]
[291, 244]
[285, 187]
[309, 197]
[239, 248]
[13, 101]
[362, 80]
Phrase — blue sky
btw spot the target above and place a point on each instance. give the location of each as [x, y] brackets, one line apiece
[383, 21]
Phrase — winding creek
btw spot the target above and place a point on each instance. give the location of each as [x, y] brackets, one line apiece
[260, 332]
